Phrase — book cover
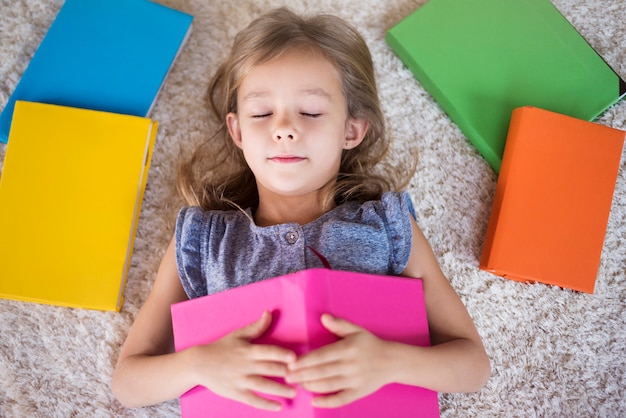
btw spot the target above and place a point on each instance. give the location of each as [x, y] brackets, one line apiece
[390, 307]
[552, 200]
[109, 55]
[480, 59]
[70, 197]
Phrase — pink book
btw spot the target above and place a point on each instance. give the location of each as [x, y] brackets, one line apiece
[390, 307]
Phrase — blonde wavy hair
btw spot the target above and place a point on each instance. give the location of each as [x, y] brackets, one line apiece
[217, 175]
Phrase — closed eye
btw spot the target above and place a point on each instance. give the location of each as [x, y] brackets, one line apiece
[311, 115]
[264, 115]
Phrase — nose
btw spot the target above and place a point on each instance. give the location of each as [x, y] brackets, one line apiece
[282, 135]
[285, 129]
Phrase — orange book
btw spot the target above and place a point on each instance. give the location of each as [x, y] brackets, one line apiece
[552, 201]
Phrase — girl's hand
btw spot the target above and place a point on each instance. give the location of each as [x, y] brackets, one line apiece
[346, 370]
[235, 368]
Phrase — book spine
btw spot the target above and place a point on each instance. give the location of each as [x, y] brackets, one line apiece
[487, 258]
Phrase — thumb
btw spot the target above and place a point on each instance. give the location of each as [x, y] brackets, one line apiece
[338, 326]
[255, 329]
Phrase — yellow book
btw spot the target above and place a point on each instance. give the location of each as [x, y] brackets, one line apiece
[70, 196]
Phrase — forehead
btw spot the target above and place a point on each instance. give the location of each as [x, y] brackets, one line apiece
[303, 71]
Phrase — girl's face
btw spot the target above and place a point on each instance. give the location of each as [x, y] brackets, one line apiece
[292, 123]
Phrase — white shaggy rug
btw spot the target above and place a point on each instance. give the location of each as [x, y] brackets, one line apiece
[554, 352]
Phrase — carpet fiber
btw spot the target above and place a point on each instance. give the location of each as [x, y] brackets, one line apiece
[554, 352]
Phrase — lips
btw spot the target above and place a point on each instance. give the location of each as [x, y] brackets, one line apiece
[287, 159]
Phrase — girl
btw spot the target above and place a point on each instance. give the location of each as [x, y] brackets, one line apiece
[302, 130]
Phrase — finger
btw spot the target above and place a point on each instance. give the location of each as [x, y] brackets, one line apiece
[316, 358]
[255, 329]
[271, 353]
[335, 400]
[314, 373]
[256, 401]
[338, 326]
[271, 387]
[269, 369]
[326, 386]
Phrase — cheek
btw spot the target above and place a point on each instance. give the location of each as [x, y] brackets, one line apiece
[247, 145]
[251, 153]
[253, 161]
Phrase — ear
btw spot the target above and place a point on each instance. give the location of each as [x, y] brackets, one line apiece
[355, 132]
[232, 121]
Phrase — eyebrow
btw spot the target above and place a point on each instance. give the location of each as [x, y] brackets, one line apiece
[255, 94]
[316, 92]
[313, 92]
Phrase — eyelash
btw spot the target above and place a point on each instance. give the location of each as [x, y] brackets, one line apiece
[311, 115]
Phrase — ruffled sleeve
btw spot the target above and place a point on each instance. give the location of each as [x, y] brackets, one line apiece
[398, 209]
[190, 225]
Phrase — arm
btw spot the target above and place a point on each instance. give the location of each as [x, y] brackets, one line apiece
[361, 363]
[456, 360]
[149, 371]
[147, 361]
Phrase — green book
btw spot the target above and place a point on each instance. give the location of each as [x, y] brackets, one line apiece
[480, 59]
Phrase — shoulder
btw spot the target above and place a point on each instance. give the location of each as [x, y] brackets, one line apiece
[192, 220]
[388, 201]
[197, 233]
[398, 204]
[196, 224]
[392, 208]
[382, 226]
[400, 219]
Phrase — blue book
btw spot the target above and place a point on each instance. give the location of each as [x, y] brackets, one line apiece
[108, 55]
